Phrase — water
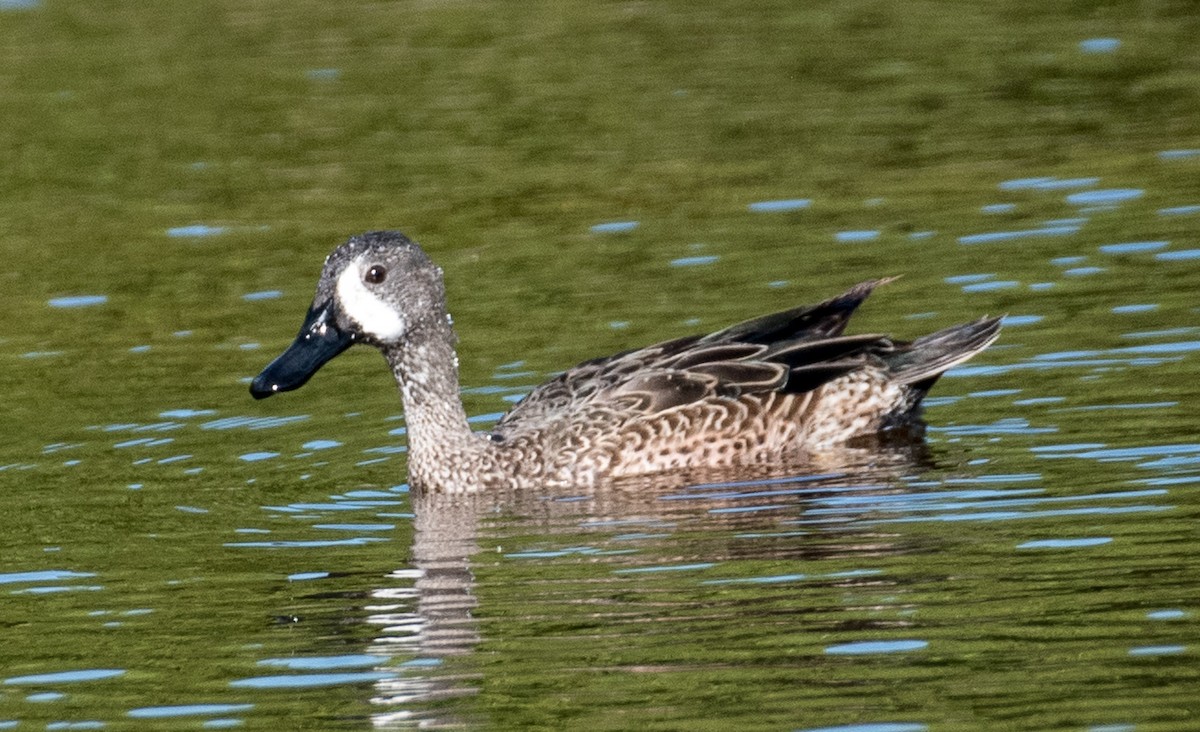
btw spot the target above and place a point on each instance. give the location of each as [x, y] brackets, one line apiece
[174, 554]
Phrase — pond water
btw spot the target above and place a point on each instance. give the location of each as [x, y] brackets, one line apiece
[594, 177]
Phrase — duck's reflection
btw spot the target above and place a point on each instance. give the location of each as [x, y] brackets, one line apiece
[430, 617]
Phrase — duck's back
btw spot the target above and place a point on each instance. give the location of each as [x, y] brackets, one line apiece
[779, 385]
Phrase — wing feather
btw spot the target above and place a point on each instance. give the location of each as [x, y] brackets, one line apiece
[792, 351]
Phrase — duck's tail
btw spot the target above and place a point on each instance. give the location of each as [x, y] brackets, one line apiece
[919, 364]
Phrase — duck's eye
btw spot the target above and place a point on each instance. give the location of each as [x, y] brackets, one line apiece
[375, 274]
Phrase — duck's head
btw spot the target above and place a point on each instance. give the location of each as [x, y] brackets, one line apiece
[378, 288]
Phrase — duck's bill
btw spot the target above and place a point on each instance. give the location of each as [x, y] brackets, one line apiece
[319, 341]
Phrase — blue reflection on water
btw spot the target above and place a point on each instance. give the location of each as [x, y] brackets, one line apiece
[788, 204]
[1104, 197]
[848, 237]
[1139, 308]
[1004, 426]
[77, 301]
[1099, 45]
[639, 536]
[355, 527]
[1013, 515]
[694, 261]
[1156, 650]
[768, 580]
[951, 501]
[1178, 254]
[867, 647]
[187, 710]
[1018, 320]
[1070, 221]
[1175, 347]
[1166, 615]
[564, 552]
[614, 227]
[320, 663]
[989, 286]
[665, 568]
[1179, 210]
[357, 541]
[252, 423]
[1065, 543]
[1048, 183]
[1134, 247]
[871, 727]
[366, 493]
[1178, 154]
[1134, 453]
[67, 677]
[47, 575]
[253, 457]
[308, 681]
[134, 427]
[144, 442]
[996, 236]
[340, 506]
[1038, 365]
[195, 231]
[263, 295]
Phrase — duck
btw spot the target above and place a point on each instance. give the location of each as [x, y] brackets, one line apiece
[772, 389]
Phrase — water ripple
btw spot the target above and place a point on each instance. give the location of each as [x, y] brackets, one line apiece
[871, 647]
[188, 710]
[1104, 197]
[66, 677]
[789, 204]
[77, 301]
[309, 681]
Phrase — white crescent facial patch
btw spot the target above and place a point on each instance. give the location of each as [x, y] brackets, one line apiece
[374, 316]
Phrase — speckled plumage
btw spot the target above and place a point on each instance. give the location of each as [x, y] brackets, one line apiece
[771, 389]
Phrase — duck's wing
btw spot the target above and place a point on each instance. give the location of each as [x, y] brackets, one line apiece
[793, 351]
[823, 320]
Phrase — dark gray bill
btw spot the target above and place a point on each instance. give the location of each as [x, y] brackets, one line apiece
[319, 341]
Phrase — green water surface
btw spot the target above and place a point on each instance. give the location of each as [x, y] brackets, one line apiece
[593, 176]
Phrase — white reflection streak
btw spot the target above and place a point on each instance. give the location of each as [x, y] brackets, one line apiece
[430, 619]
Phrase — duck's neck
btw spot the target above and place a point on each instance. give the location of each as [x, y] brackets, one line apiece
[441, 445]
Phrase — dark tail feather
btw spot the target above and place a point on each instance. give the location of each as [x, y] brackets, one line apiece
[822, 320]
[920, 363]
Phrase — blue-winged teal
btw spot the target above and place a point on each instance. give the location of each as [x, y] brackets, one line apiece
[771, 389]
